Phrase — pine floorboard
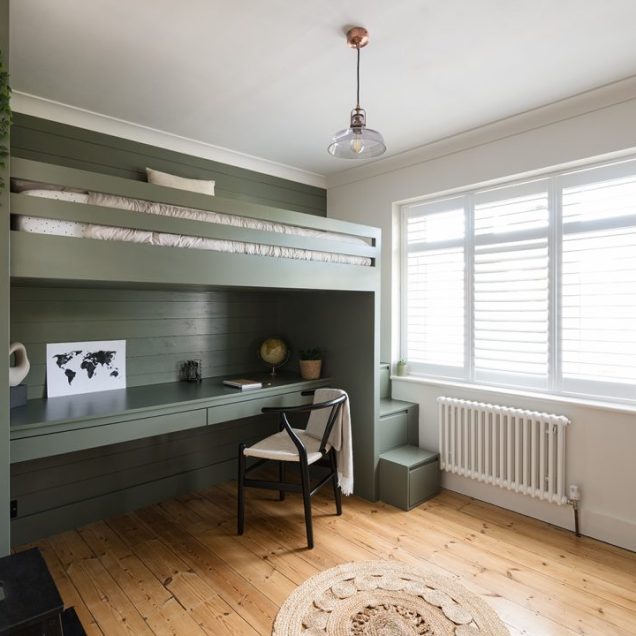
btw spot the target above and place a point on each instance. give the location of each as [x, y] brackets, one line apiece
[178, 567]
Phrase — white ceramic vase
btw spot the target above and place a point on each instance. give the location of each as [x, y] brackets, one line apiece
[18, 372]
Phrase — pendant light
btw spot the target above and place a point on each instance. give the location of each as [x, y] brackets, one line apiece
[357, 141]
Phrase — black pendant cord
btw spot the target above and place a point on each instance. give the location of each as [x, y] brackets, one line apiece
[358, 79]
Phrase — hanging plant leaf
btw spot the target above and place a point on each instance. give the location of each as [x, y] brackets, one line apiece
[5, 116]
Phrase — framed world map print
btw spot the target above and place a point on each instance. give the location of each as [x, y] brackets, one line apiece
[85, 367]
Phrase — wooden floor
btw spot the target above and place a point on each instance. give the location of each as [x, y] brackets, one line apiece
[179, 568]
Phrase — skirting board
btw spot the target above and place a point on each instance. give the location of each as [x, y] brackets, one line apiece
[47, 523]
[620, 532]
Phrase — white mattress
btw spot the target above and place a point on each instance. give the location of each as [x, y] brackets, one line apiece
[109, 233]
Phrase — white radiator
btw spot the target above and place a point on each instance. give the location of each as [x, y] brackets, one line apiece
[520, 450]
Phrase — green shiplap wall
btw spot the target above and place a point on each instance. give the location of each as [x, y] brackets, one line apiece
[66, 491]
[44, 140]
[161, 328]
[4, 316]
[342, 324]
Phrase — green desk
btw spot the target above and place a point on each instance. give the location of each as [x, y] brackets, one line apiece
[54, 426]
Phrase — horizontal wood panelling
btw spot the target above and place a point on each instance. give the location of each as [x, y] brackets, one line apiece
[43, 140]
[24, 529]
[161, 328]
[59, 470]
[120, 466]
[216, 327]
[59, 492]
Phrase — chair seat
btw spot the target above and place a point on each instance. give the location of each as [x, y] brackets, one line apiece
[280, 447]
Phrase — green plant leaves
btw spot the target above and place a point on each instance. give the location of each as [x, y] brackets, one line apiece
[5, 116]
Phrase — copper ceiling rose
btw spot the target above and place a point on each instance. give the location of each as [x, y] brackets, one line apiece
[357, 37]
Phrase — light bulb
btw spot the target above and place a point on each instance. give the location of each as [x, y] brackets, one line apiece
[357, 144]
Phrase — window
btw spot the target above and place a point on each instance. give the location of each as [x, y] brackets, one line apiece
[435, 274]
[529, 285]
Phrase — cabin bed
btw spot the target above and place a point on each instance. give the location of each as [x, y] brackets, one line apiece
[116, 220]
[75, 228]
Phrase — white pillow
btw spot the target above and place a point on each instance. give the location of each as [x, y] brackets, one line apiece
[172, 181]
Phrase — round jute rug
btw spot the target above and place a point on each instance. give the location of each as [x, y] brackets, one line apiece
[384, 598]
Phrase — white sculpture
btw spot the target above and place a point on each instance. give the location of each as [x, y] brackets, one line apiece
[22, 364]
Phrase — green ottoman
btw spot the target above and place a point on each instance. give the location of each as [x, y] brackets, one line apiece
[408, 476]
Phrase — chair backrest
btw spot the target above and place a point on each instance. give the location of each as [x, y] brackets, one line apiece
[334, 405]
[325, 423]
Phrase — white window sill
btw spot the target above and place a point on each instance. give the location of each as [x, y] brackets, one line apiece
[550, 397]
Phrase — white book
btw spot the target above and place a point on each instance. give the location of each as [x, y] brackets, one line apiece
[243, 384]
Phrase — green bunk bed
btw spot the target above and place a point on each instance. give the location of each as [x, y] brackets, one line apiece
[36, 255]
[317, 277]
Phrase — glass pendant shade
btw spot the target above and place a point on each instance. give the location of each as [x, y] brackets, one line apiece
[357, 143]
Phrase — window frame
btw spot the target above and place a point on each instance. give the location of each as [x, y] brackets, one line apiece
[445, 204]
[556, 182]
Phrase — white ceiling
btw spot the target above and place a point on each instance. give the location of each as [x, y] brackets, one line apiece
[275, 79]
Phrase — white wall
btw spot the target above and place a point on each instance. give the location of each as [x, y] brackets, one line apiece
[600, 458]
[596, 124]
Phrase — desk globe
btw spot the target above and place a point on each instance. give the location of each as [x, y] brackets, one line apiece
[274, 352]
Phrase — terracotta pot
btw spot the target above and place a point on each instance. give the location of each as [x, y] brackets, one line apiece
[310, 369]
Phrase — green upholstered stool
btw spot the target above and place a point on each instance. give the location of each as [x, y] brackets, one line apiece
[408, 476]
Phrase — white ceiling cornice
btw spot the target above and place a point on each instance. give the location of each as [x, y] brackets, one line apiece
[569, 108]
[73, 116]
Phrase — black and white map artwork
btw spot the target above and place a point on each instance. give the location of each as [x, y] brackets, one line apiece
[85, 367]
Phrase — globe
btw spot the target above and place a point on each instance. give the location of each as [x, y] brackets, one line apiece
[274, 351]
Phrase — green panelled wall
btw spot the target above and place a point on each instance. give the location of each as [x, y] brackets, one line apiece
[342, 323]
[65, 491]
[43, 140]
[161, 328]
[4, 316]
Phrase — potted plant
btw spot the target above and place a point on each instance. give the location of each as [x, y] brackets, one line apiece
[402, 367]
[310, 363]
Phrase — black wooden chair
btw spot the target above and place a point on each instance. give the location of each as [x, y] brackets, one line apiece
[293, 445]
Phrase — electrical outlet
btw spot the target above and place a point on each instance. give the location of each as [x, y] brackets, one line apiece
[14, 508]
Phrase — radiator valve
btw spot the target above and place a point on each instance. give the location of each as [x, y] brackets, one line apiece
[575, 497]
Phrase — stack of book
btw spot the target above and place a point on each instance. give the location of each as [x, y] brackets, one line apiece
[243, 384]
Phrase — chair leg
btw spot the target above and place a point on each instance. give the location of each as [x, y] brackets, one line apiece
[241, 490]
[334, 480]
[281, 478]
[304, 474]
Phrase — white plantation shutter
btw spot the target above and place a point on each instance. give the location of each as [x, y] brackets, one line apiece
[598, 281]
[528, 285]
[511, 285]
[434, 292]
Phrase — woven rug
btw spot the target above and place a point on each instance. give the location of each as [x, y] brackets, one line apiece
[384, 598]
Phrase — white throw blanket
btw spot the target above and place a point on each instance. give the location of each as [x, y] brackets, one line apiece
[340, 437]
